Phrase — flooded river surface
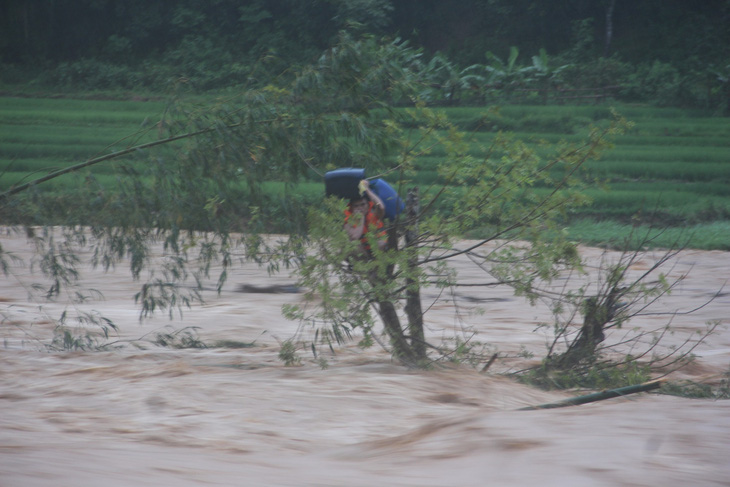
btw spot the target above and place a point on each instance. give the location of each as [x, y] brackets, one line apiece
[140, 414]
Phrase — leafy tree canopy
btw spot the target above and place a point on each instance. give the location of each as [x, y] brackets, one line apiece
[207, 203]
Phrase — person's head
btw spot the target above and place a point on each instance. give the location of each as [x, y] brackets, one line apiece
[359, 205]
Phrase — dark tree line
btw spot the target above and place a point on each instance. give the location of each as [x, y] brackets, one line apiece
[98, 44]
[64, 30]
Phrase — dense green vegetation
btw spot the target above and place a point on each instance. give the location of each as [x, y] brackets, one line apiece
[666, 52]
[670, 170]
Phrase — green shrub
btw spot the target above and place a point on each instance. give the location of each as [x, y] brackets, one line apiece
[602, 72]
[12, 74]
[92, 74]
[658, 84]
[696, 390]
[597, 376]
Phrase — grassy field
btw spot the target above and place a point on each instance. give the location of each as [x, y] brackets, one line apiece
[40, 135]
[672, 167]
[674, 164]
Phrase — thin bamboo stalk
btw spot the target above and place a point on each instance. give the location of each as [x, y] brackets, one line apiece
[599, 396]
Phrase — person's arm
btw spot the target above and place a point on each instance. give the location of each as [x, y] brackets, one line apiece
[378, 205]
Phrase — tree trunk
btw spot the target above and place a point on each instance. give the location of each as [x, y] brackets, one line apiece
[401, 348]
[413, 308]
[597, 314]
[410, 350]
[599, 396]
[609, 28]
[590, 335]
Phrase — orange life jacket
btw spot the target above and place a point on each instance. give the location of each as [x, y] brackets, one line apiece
[371, 222]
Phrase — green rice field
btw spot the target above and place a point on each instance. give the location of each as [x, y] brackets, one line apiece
[672, 167]
[673, 163]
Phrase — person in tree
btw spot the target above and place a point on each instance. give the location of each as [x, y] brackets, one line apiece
[364, 219]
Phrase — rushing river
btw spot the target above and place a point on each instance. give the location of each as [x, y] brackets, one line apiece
[144, 415]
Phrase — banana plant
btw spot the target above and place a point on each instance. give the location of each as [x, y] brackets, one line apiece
[507, 75]
[543, 74]
[445, 81]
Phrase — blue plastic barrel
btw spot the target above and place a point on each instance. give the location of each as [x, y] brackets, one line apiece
[344, 182]
[391, 200]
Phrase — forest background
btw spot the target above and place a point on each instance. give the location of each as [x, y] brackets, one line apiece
[668, 52]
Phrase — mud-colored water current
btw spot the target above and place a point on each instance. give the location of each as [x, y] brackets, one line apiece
[145, 415]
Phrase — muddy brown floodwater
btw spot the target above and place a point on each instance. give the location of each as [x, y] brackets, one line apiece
[144, 415]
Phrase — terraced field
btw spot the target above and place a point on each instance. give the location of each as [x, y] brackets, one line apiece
[673, 163]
